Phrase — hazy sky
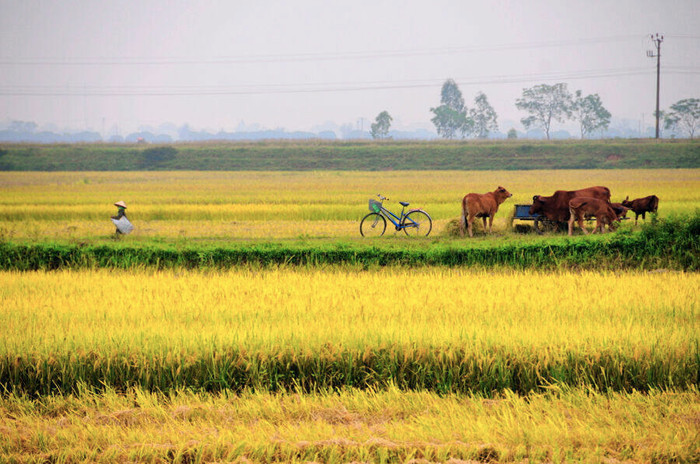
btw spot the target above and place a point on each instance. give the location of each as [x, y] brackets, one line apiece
[295, 64]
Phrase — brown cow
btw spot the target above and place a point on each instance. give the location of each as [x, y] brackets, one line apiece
[481, 205]
[556, 207]
[585, 206]
[642, 206]
[619, 209]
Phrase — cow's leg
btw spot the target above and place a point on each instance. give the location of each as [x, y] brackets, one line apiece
[572, 218]
[483, 220]
[463, 223]
[644, 216]
[470, 221]
[581, 224]
[490, 223]
[636, 217]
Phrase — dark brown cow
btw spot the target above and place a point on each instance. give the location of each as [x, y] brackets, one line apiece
[619, 209]
[642, 206]
[556, 207]
[481, 205]
[581, 207]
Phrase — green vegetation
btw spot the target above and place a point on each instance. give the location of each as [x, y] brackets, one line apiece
[667, 243]
[355, 155]
[448, 369]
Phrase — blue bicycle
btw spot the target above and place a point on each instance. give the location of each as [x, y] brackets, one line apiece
[415, 223]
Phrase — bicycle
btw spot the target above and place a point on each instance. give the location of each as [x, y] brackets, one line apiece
[415, 223]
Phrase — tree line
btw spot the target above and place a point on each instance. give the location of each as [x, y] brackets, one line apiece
[544, 105]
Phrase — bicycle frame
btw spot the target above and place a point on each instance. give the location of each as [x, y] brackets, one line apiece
[391, 216]
[398, 221]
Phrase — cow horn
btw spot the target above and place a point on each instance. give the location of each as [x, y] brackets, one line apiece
[535, 197]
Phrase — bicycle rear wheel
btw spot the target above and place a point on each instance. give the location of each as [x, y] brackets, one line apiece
[373, 225]
[417, 224]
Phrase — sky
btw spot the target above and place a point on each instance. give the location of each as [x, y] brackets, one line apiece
[115, 66]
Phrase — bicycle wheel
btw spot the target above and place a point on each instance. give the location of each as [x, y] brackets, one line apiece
[373, 225]
[417, 224]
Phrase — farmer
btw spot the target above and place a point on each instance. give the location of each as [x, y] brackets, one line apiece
[121, 212]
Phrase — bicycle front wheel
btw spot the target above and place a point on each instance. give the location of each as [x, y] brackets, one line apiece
[373, 225]
[417, 224]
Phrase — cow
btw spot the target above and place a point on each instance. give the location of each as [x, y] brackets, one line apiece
[619, 209]
[642, 206]
[581, 207]
[481, 205]
[556, 207]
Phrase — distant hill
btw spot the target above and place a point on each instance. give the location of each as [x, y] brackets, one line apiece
[317, 154]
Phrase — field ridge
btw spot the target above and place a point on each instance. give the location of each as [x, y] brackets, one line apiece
[672, 243]
[355, 155]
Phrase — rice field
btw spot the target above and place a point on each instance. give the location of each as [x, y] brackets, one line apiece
[278, 205]
[439, 329]
[352, 426]
[337, 363]
[191, 366]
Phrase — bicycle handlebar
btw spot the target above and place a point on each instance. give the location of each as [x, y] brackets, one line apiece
[381, 197]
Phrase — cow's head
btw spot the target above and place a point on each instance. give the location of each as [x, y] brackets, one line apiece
[620, 210]
[537, 205]
[502, 194]
[626, 202]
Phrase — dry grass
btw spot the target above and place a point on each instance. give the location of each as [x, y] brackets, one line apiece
[559, 426]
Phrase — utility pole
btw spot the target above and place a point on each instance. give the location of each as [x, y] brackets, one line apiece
[656, 40]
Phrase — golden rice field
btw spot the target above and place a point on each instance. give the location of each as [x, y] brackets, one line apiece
[165, 320]
[328, 363]
[272, 310]
[275, 205]
[352, 426]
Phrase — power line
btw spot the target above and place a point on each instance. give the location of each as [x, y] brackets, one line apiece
[278, 58]
[115, 91]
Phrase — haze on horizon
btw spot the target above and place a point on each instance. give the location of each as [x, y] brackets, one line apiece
[120, 65]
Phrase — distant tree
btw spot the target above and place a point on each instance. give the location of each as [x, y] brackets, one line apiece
[590, 113]
[451, 96]
[380, 128]
[684, 115]
[545, 103]
[484, 117]
[512, 134]
[451, 116]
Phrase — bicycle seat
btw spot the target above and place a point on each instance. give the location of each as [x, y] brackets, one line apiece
[404, 203]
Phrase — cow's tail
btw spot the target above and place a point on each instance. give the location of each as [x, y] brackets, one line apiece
[654, 206]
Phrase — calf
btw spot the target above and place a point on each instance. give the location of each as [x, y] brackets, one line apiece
[620, 210]
[481, 205]
[585, 206]
[642, 206]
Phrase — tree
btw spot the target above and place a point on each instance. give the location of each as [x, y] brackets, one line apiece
[380, 128]
[484, 117]
[545, 103]
[590, 113]
[512, 133]
[451, 96]
[451, 116]
[684, 115]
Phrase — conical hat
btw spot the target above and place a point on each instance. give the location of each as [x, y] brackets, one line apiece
[120, 203]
